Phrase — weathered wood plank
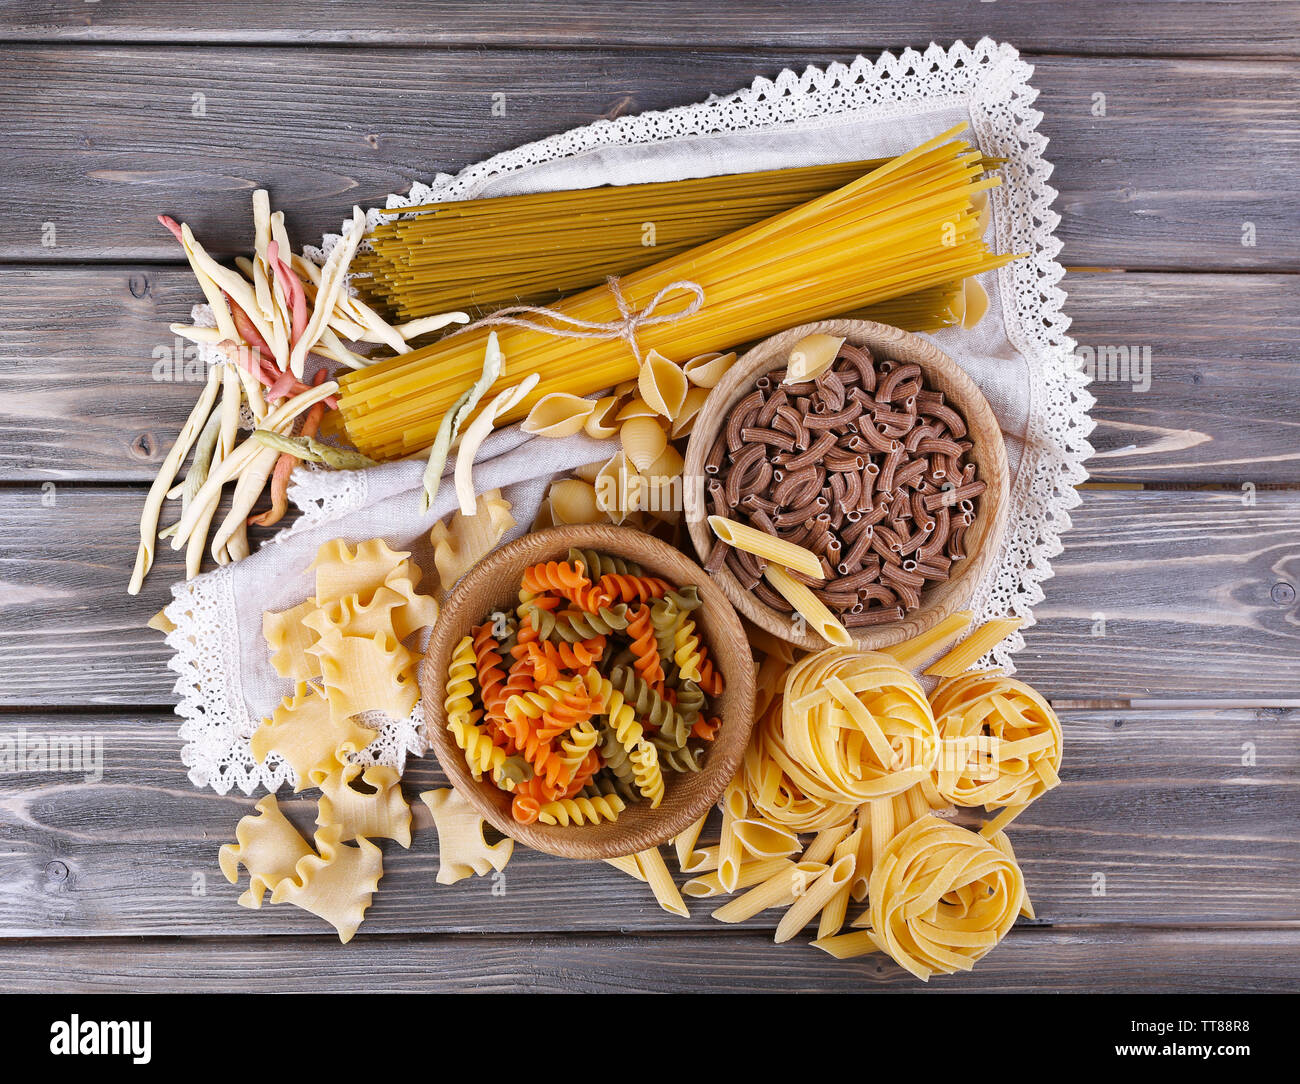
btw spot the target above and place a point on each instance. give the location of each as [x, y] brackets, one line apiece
[1185, 581]
[1187, 152]
[1174, 594]
[1157, 822]
[1028, 961]
[1223, 401]
[1137, 28]
[79, 398]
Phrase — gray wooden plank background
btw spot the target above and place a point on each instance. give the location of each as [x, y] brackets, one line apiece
[1169, 637]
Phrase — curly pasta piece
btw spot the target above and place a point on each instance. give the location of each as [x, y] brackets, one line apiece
[462, 850]
[337, 884]
[580, 811]
[597, 564]
[651, 708]
[621, 715]
[649, 778]
[487, 665]
[574, 625]
[554, 576]
[634, 588]
[268, 846]
[645, 650]
[687, 653]
[576, 745]
[684, 759]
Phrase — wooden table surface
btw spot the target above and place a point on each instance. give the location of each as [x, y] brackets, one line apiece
[1169, 639]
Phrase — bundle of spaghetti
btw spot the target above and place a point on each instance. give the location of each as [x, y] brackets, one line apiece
[487, 252]
[908, 225]
[484, 253]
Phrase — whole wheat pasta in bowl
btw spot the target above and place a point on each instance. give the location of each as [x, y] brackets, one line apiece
[849, 485]
[589, 690]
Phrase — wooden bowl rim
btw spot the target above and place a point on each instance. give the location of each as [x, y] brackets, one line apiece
[639, 827]
[894, 343]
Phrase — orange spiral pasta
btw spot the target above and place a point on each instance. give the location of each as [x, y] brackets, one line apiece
[555, 576]
[645, 649]
[491, 678]
[634, 588]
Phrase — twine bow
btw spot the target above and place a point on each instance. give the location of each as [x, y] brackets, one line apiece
[571, 327]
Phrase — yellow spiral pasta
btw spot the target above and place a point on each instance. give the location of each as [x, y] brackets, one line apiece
[621, 715]
[1001, 744]
[859, 723]
[575, 745]
[686, 651]
[580, 811]
[461, 672]
[649, 776]
[942, 897]
[480, 753]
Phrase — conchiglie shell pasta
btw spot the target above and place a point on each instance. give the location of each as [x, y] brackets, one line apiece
[618, 488]
[636, 407]
[685, 420]
[643, 441]
[662, 384]
[558, 415]
[574, 501]
[811, 356]
[705, 370]
[976, 303]
[601, 423]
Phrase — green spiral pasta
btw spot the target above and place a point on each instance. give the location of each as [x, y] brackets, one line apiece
[650, 707]
[596, 564]
[685, 759]
[690, 701]
[573, 626]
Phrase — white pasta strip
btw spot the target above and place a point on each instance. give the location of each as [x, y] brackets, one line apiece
[331, 283]
[166, 475]
[476, 432]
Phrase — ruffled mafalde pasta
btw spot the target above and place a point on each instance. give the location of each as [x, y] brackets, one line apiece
[308, 735]
[461, 542]
[343, 646]
[337, 883]
[267, 846]
[1001, 744]
[376, 811]
[462, 850]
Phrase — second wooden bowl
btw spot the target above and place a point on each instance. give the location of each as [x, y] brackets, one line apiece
[989, 454]
[493, 585]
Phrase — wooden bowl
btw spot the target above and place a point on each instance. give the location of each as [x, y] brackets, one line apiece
[989, 454]
[493, 584]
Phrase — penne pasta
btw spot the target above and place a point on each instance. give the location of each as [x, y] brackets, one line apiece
[813, 611]
[768, 547]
